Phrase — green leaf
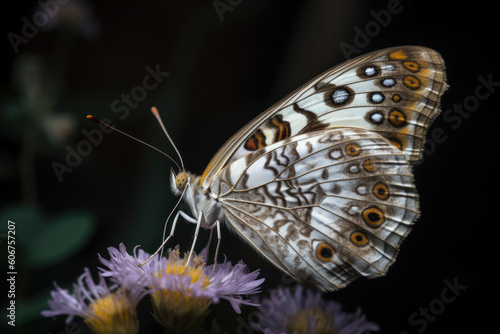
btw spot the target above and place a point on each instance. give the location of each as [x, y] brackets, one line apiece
[60, 239]
[26, 218]
[28, 310]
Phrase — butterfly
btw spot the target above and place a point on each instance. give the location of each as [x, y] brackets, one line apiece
[321, 183]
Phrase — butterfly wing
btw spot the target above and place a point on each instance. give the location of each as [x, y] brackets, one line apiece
[394, 92]
[325, 207]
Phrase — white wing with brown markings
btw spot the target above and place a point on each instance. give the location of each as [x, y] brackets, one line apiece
[326, 207]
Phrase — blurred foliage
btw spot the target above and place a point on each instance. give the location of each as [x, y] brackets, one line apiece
[47, 241]
[31, 122]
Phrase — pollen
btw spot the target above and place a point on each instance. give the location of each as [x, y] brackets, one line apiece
[113, 314]
[177, 266]
[179, 310]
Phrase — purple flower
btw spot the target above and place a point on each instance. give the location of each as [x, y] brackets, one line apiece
[231, 283]
[228, 282]
[123, 268]
[181, 294]
[105, 309]
[268, 331]
[306, 312]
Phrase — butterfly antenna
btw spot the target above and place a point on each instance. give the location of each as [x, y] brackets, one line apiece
[155, 112]
[97, 120]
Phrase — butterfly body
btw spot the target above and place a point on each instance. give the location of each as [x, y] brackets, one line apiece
[321, 183]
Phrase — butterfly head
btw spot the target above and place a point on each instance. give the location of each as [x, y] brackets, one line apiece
[179, 181]
[187, 186]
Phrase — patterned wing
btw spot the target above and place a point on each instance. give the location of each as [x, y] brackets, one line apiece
[325, 207]
[394, 92]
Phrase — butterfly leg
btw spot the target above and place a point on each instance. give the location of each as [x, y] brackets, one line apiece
[187, 217]
[200, 222]
[201, 219]
[172, 230]
[218, 244]
[174, 224]
[205, 252]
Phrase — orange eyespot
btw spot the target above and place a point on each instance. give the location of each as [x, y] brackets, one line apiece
[181, 180]
[369, 166]
[396, 143]
[411, 66]
[411, 82]
[359, 239]
[353, 149]
[325, 252]
[397, 118]
[373, 216]
[381, 191]
[396, 97]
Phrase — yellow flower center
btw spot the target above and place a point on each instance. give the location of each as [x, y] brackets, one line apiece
[177, 266]
[301, 322]
[113, 314]
[178, 311]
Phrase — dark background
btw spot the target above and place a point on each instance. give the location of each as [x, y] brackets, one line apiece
[222, 74]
